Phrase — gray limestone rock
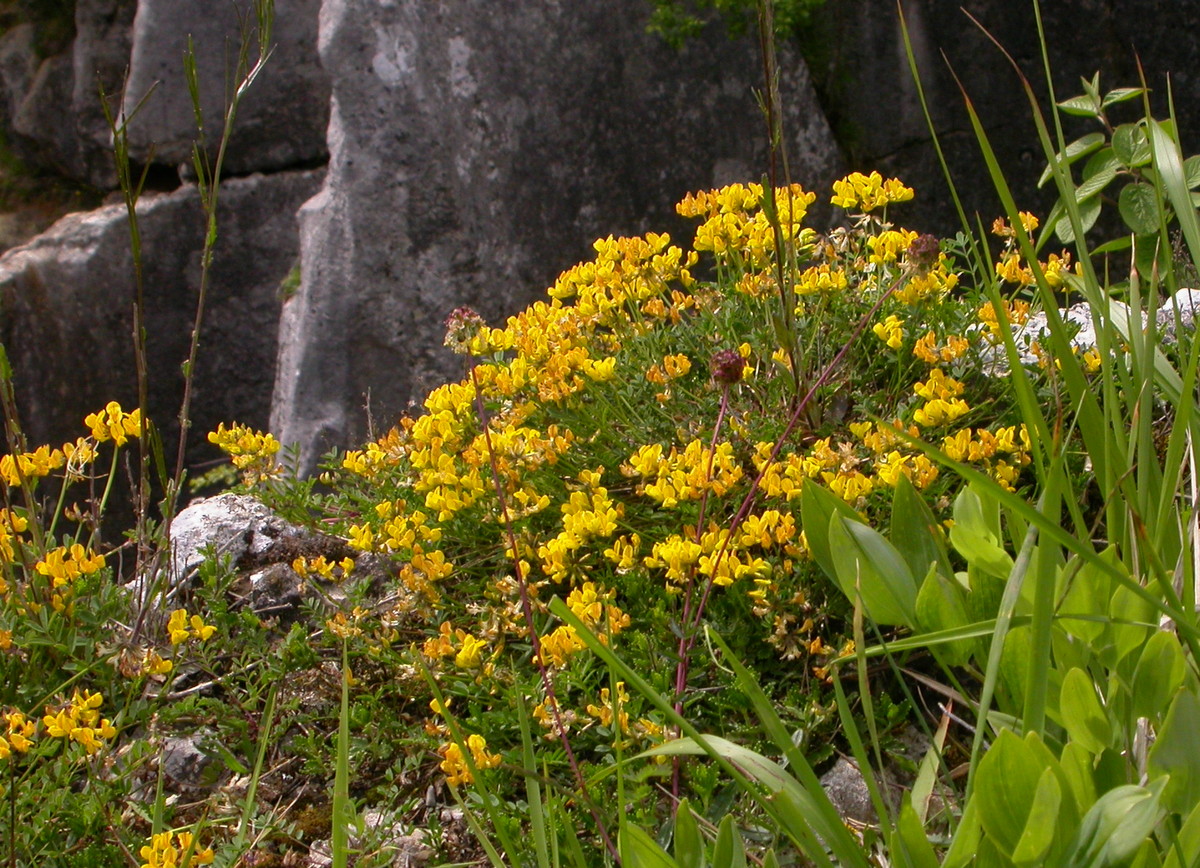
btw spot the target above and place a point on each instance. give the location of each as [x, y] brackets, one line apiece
[226, 526]
[476, 151]
[66, 302]
[57, 115]
[280, 122]
[860, 67]
[18, 65]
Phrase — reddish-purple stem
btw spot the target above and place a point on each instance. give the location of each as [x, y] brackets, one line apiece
[527, 612]
[692, 617]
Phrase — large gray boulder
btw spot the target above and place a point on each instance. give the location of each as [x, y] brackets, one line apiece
[282, 119]
[56, 114]
[66, 302]
[859, 64]
[476, 150]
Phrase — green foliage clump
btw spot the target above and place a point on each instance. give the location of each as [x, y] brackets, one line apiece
[677, 21]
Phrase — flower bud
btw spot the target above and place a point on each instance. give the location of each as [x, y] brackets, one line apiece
[726, 367]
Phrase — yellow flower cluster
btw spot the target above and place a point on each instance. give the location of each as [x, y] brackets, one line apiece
[942, 404]
[588, 603]
[1016, 310]
[716, 556]
[30, 465]
[64, 566]
[1000, 226]
[12, 525]
[585, 516]
[890, 331]
[113, 423]
[784, 477]
[465, 649]
[681, 475]
[984, 447]
[252, 452]
[181, 628]
[928, 350]
[19, 734]
[80, 721]
[736, 229]
[888, 246]
[174, 850]
[455, 765]
[321, 567]
[933, 283]
[559, 645]
[377, 457]
[821, 278]
[867, 192]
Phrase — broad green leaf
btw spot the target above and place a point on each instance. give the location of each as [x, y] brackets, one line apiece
[1081, 147]
[729, 851]
[1042, 823]
[942, 605]
[1160, 672]
[1081, 106]
[1175, 753]
[817, 506]
[639, 850]
[1186, 853]
[1122, 243]
[966, 837]
[917, 851]
[867, 565]
[1130, 144]
[1006, 782]
[1147, 855]
[1121, 94]
[975, 534]
[1115, 827]
[1076, 765]
[915, 532]
[1089, 212]
[1138, 619]
[689, 845]
[1015, 662]
[1139, 209]
[1082, 713]
[1191, 172]
[1169, 163]
[1097, 174]
[1087, 596]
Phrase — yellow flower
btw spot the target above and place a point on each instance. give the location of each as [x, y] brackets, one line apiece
[30, 465]
[252, 452]
[940, 411]
[890, 331]
[114, 424]
[468, 656]
[455, 765]
[558, 646]
[886, 247]
[181, 628]
[170, 850]
[66, 564]
[868, 192]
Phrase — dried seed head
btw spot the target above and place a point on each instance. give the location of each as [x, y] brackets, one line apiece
[462, 326]
[923, 252]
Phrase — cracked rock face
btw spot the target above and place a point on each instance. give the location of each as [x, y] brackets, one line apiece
[66, 301]
[477, 149]
[282, 118]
